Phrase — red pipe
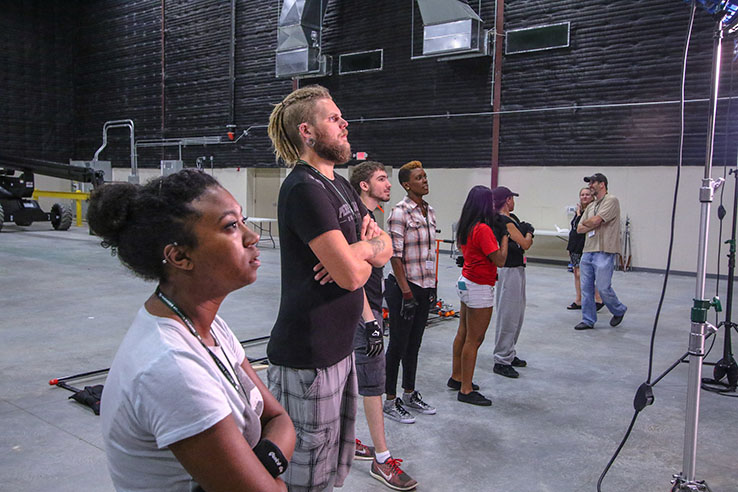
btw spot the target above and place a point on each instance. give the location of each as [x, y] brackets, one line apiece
[499, 33]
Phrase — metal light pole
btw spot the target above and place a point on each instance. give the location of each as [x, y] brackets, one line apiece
[686, 481]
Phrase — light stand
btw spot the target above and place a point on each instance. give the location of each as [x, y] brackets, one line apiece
[727, 365]
[686, 481]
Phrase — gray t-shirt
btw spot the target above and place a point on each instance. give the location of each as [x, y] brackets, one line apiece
[163, 387]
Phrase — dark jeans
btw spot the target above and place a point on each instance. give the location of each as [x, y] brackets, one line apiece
[405, 335]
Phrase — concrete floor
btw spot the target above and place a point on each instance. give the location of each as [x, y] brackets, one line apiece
[66, 304]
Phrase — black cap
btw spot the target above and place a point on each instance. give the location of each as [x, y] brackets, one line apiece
[500, 194]
[599, 177]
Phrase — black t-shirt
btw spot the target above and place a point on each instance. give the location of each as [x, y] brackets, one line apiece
[373, 287]
[576, 240]
[315, 325]
[515, 252]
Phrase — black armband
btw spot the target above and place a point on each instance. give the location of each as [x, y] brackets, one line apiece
[271, 457]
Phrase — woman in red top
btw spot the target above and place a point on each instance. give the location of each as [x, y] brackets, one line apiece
[476, 288]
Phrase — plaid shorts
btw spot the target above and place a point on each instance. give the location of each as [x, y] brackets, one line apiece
[322, 404]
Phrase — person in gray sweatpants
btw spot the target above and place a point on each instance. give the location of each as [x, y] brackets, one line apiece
[510, 289]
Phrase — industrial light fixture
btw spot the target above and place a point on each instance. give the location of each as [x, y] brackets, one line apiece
[726, 8]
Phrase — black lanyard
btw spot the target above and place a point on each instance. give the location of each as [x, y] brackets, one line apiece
[340, 195]
[188, 323]
[425, 216]
[427, 223]
[597, 206]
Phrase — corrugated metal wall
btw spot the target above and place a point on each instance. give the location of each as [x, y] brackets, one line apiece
[77, 65]
[621, 53]
[36, 87]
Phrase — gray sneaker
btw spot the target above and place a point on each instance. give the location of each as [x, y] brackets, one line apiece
[415, 401]
[395, 410]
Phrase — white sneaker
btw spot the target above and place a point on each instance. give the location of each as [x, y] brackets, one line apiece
[395, 410]
[415, 401]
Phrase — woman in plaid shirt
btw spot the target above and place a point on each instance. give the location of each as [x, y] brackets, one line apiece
[412, 227]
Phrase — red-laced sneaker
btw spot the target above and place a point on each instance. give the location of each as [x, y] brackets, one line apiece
[390, 474]
[363, 452]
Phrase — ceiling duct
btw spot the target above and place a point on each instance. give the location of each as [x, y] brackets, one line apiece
[451, 27]
[299, 34]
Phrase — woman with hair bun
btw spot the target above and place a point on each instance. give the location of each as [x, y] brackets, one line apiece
[182, 408]
[476, 288]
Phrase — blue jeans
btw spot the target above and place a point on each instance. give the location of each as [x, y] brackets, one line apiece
[596, 268]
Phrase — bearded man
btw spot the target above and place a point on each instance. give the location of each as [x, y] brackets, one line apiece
[328, 246]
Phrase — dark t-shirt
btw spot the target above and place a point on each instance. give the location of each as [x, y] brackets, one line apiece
[373, 287]
[515, 252]
[576, 240]
[315, 325]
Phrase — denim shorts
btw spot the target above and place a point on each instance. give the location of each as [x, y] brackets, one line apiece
[475, 296]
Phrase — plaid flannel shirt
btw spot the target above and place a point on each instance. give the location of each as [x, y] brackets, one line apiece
[413, 241]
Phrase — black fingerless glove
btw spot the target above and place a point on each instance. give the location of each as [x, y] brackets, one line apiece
[374, 338]
[271, 457]
[407, 311]
[459, 261]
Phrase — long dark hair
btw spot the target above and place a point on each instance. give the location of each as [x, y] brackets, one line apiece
[478, 207]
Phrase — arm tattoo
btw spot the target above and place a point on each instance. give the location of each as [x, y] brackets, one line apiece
[377, 246]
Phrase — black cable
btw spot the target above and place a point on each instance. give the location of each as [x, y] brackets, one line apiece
[671, 243]
[676, 191]
[617, 452]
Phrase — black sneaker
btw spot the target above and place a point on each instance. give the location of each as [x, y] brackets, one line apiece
[505, 370]
[583, 326]
[599, 305]
[474, 398]
[519, 362]
[615, 321]
[456, 385]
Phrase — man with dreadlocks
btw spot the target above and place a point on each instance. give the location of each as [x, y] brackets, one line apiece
[328, 245]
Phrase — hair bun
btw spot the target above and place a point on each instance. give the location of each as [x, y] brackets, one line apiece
[109, 210]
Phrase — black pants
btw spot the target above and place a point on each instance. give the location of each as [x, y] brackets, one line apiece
[405, 335]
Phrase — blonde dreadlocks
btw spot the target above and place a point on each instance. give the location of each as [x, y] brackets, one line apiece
[287, 116]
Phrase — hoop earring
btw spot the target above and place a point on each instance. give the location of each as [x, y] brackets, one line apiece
[310, 142]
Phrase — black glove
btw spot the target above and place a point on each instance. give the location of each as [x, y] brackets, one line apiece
[459, 261]
[374, 338]
[499, 228]
[526, 227]
[271, 457]
[407, 311]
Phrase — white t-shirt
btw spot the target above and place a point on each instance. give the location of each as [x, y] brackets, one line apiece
[163, 387]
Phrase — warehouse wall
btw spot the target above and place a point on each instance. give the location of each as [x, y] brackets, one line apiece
[37, 42]
[608, 99]
[645, 194]
[607, 103]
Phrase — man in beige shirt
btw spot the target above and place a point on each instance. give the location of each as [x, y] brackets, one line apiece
[601, 224]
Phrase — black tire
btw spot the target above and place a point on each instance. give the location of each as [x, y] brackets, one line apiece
[61, 217]
[2, 217]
